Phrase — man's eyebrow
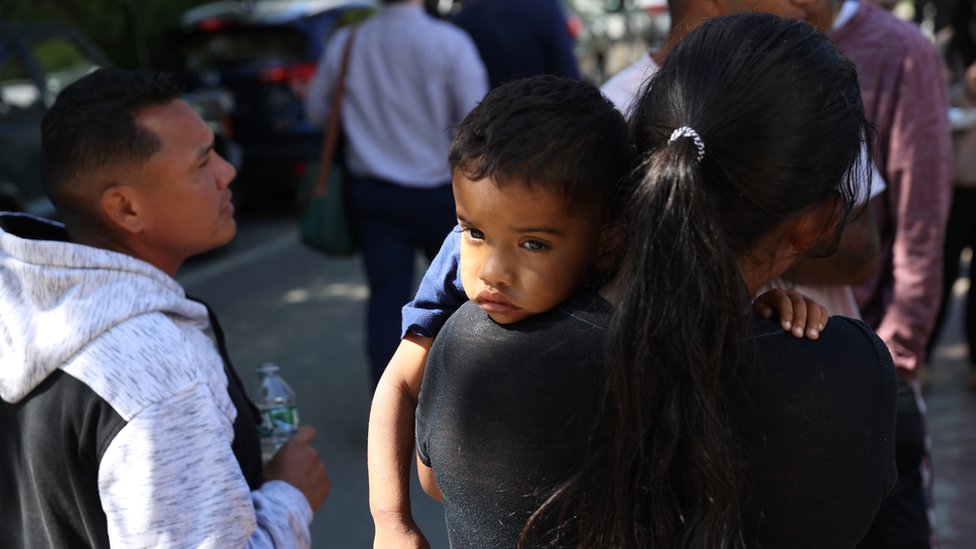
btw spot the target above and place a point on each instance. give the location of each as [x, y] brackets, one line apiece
[204, 151]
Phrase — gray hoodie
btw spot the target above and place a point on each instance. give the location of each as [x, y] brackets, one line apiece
[114, 396]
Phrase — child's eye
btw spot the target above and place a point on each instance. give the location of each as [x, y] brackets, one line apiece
[473, 234]
[535, 245]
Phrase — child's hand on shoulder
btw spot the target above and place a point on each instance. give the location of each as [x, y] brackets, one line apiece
[798, 314]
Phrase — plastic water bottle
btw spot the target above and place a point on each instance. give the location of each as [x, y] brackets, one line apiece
[279, 409]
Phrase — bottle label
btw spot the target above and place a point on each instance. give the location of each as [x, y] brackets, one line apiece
[278, 421]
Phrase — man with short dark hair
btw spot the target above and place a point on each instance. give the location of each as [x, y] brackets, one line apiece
[121, 423]
[905, 98]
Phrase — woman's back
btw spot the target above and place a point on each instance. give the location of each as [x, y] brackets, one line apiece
[505, 412]
[505, 415]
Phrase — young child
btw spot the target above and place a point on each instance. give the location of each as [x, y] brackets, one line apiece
[541, 170]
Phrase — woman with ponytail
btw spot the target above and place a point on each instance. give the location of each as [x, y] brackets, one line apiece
[700, 424]
[716, 430]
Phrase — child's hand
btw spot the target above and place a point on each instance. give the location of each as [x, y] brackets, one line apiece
[798, 314]
[403, 535]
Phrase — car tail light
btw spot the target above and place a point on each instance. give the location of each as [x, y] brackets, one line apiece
[298, 73]
[211, 25]
[574, 25]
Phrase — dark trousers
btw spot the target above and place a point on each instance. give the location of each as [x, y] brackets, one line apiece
[960, 234]
[391, 223]
[904, 520]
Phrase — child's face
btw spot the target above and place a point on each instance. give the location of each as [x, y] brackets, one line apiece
[522, 252]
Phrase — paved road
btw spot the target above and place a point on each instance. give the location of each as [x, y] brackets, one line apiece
[280, 302]
[952, 424]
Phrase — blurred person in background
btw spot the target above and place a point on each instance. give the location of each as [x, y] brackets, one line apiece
[905, 100]
[957, 44]
[411, 79]
[519, 38]
[938, 11]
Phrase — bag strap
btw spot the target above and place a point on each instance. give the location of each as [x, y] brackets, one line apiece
[333, 126]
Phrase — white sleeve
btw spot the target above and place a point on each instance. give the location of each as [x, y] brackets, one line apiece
[170, 479]
[623, 88]
[878, 184]
[317, 101]
[877, 181]
[468, 77]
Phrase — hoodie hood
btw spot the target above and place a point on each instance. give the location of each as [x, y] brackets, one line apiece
[57, 296]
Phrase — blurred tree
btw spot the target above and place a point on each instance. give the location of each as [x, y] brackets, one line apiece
[129, 31]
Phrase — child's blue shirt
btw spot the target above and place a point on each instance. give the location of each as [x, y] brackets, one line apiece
[440, 292]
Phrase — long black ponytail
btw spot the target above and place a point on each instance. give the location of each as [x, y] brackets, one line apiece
[770, 124]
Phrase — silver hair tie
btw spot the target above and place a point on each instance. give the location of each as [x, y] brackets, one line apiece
[688, 131]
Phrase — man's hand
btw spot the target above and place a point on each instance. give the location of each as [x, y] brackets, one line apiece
[798, 314]
[298, 464]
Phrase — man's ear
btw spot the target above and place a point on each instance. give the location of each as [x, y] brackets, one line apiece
[120, 207]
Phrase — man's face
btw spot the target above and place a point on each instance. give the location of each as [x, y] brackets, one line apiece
[184, 186]
[819, 13]
[522, 252]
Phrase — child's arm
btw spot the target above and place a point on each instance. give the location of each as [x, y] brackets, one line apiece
[390, 445]
[391, 418]
[798, 314]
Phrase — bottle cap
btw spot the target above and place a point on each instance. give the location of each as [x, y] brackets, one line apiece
[268, 368]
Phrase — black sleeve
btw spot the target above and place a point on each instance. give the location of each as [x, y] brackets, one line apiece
[820, 420]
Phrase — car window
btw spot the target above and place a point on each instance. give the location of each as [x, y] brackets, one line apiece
[212, 50]
[18, 93]
[62, 60]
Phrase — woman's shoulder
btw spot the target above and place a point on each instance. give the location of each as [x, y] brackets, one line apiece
[585, 311]
[844, 340]
[572, 330]
[844, 381]
[819, 416]
[848, 370]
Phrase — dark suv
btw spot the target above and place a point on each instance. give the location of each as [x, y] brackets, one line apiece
[264, 53]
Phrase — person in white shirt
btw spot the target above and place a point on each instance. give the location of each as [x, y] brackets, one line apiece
[411, 79]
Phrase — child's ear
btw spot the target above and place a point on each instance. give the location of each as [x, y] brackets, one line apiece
[609, 248]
